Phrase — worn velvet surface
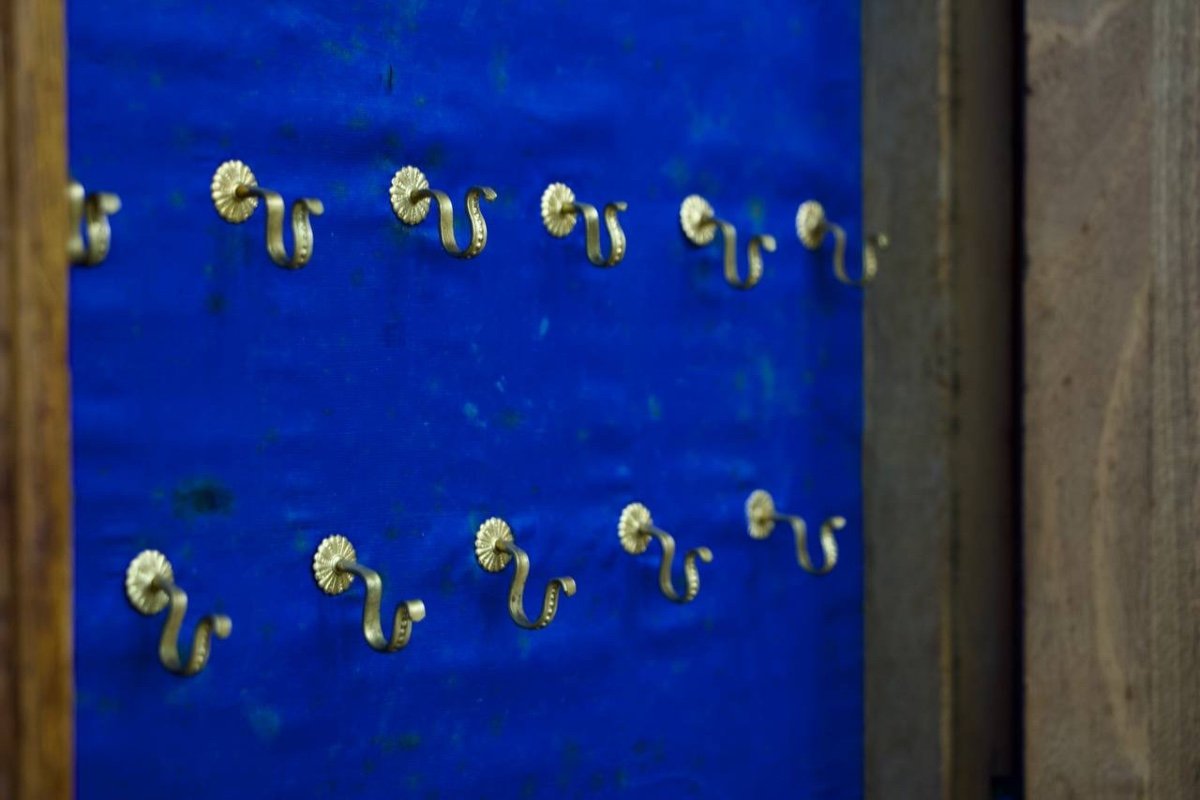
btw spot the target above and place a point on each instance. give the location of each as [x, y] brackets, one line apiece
[232, 414]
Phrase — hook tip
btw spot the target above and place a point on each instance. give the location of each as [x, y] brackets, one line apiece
[416, 609]
[568, 585]
[704, 554]
[222, 626]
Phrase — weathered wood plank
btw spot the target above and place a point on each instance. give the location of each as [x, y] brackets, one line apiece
[939, 455]
[36, 697]
[1175, 382]
[1112, 454]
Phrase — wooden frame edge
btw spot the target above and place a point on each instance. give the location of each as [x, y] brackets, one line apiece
[940, 448]
[36, 680]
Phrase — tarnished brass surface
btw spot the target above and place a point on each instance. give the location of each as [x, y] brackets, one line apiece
[560, 213]
[150, 587]
[235, 195]
[636, 527]
[334, 566]
[700, 225]
[93, 209]
[761, 517]
[410, 195]
[811, 227]
[495, 546]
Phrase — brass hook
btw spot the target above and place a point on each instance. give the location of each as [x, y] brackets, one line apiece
[811, 227]
[95, 208]
[635, 529]
[150, 586]
[761, 517]
[334, 566]
[560, 213]
[411, 194]
[700, 224]
[235, 194]
[495, 546]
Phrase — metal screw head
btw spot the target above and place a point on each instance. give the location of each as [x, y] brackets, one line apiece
[229, 177]
[810, 224]
[490, 534]
[324, 566]
[760, 514]
[404, 183]
[558, 214]
[143, 595]
[633, 528]
[696, 218]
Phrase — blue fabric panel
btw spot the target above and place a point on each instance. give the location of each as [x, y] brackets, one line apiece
[232, 414]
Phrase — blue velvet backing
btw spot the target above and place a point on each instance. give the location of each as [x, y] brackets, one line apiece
[232, 414]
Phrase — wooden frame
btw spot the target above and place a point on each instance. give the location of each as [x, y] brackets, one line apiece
[939, 458]
[36, 693]
[1111, 306]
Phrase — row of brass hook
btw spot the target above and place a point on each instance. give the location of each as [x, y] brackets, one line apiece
[236, 194]
[150, 581]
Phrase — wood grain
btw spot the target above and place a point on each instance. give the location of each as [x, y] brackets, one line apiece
[939, 454]
[36, 698]
[1112, 458]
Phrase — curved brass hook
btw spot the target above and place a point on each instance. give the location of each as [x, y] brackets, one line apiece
[411, 194]
[495, 546]
[560, 213]
[700, 224]
[334, 566]
[150, 587]
[235, 194]
[636, 527]
[96, 208]
[811, 227]
[761, 517]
